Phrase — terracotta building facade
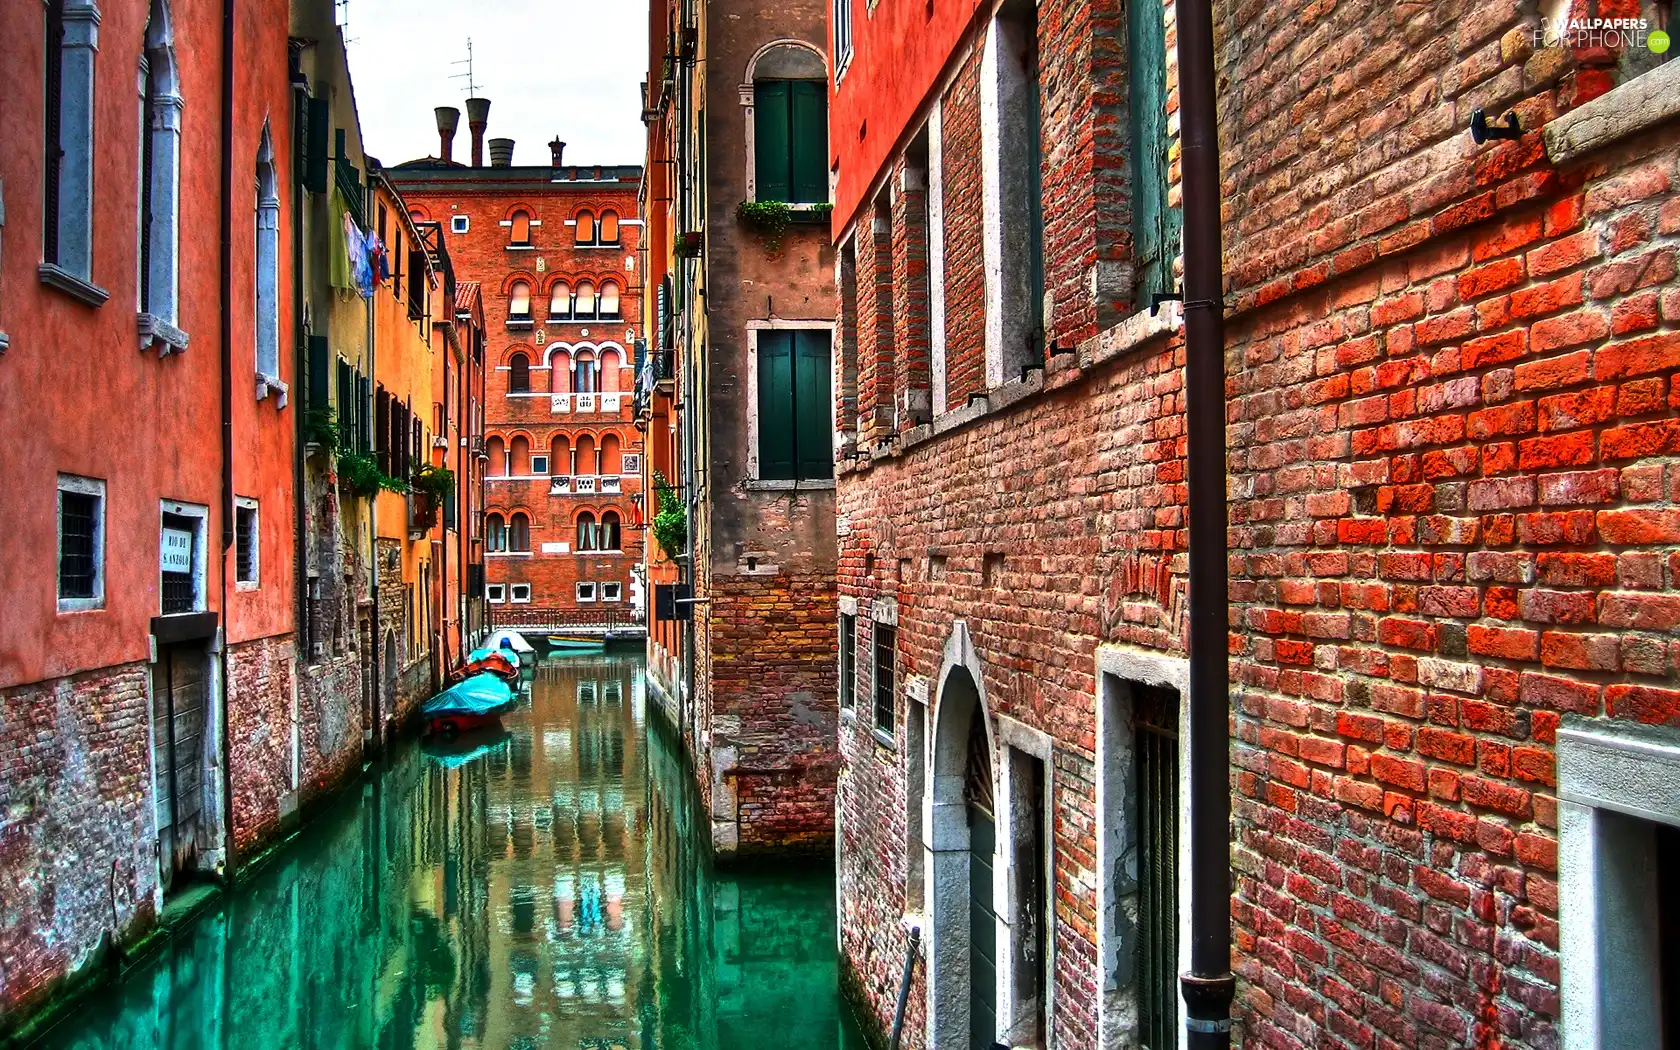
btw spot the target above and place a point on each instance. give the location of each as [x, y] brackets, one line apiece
[553, 250]
[1450, 368]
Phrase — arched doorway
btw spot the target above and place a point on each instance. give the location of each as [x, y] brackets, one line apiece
[960, 858]
[392, 657]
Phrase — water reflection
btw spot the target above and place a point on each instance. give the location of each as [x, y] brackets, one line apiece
[537, 886]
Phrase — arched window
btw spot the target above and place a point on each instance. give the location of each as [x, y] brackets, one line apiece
[519, 301]
[560, 456]
[612, 457]
[560, 301]
[609, 300]
[584, 307]
[585, 227]
[268, 268]
[519, 374]
[584, 375]
[585, 458]
[519, 456]
[790, 126]
[521, 233]
[160, 189]
[498, 457]
[495, 534]
[588, 532]
[609, 531]
[609, 371]
[519, 532]
[560, 372]
[609, 228]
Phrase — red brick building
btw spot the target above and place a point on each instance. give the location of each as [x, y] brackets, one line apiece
[1451, 373]
[552, 248]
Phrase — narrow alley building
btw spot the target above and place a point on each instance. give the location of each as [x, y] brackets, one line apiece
[1450, 378]
[735, 395]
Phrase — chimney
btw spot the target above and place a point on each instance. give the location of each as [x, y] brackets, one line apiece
[448, 119]
[478, 114]
[501, 153]
[556, 149]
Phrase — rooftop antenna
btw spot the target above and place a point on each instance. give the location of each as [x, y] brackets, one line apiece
[472, 85]
[341, 9]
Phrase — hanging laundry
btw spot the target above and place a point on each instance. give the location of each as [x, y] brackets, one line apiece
[339, 273]
[356, 245]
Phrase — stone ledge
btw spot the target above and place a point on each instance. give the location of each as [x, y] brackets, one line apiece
[1627, 109]
[55, 276]
[155, 331]
[1626, 767]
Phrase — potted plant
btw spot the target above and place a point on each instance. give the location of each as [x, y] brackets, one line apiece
[670, 523]
[320, 429]
[689, 244]
[768, 219]
[360, 473]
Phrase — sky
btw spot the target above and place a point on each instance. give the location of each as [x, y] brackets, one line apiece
[571, 68]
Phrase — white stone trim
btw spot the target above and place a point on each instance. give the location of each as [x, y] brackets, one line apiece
[200, 514]
[248, 503]
[936, 253]
[745, 93]
[160, 313]
[1003, 88]
[88, 487]
[1627, 109]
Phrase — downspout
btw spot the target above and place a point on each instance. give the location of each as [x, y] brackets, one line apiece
[1209, 987]
[225, 324]
[376, 639]
[300, 354]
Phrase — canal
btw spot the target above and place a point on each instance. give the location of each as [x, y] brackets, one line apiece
[543, 886]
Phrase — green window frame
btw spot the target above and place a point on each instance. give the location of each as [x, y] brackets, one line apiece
[795, 405]
[790, 141]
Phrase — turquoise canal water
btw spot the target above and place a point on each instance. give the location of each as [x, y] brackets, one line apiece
[544, 886]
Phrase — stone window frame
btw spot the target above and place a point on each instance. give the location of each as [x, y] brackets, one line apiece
[883, 612]
[159, 319]
[199, 514]
[71, 269]
[617, 595]
[937, 365]
[247, 503]
[5, 340]
[749, 113]
[1116, 668]
[267, 277]
[85, 486]
[1615, 783]
[1004, 222]
[513, 594]
[585, 591]
[841, 20]
[846, 616]
[1017, 1017]
[495, 593]
[752, 481]
[460, 223]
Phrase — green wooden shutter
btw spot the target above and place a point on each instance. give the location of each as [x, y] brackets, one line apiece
[776, 456]
[318, 366]
[809, 112]
[813, 408]
[315, 155]
[1155, 232]
[771, 145]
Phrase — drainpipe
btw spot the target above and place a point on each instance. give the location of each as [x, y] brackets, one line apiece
[1209, 986]
[373, 537]
[300, 355]
[225, 324]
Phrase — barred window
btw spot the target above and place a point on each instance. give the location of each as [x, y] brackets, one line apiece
[886, 640]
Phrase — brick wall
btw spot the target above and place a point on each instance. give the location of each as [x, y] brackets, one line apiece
[965, 272]
[76, 860]
[262, 688]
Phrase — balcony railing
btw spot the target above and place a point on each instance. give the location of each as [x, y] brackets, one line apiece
[610, 402]
[610, 483]
[585, 402]
[559, 403]
[584, 484]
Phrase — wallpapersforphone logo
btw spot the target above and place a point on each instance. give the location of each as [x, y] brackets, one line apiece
[1619, 34]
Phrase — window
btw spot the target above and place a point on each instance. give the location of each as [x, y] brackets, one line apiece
[1013, 234]
[539, 464]
[584, 307]
[585, 228]
[521, 233]
[519, 532]
[245, 541]
[560, 301]
[72, 28]
[519, 374]
[268, 273]
[612, 455]
[609, 537]
[795, 433]
[180, 560]
[519, 456]
[885, 642]
[497, 450]
[584, 374]
[1155, 728]
[609, 301]
[1155, 225]
[495, 592]
[608, 232]
[848, 660]
[495, 534]
[588, 532]
[842, 37]
[81, 543]
[459, 223]
[520, 592]
[612, 592]
[586, 592]
[790, 127]
[519, 302]
[160, 183]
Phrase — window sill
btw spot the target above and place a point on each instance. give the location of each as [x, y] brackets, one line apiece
[246, 585]
[521, 247]
[788, 485]
[1627, 109]
[267, 385]
[848, 717]
[883, 739]
[76, 605]
[55, 276]
[155, 331]
[520, 323]
[5, 342]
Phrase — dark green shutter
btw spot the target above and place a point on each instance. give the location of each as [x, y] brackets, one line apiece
[771, 145]
[812, 404]
[315, 155]
[810, 141]
[318, 385]
[776, 457]
[1155, 232]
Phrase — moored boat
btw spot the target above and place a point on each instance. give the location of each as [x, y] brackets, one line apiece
[474, 703]
[576, 643]
[508, 638]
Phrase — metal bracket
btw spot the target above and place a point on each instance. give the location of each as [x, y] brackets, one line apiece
[1481, 131]
[1157, 298]
[1197, 1024]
